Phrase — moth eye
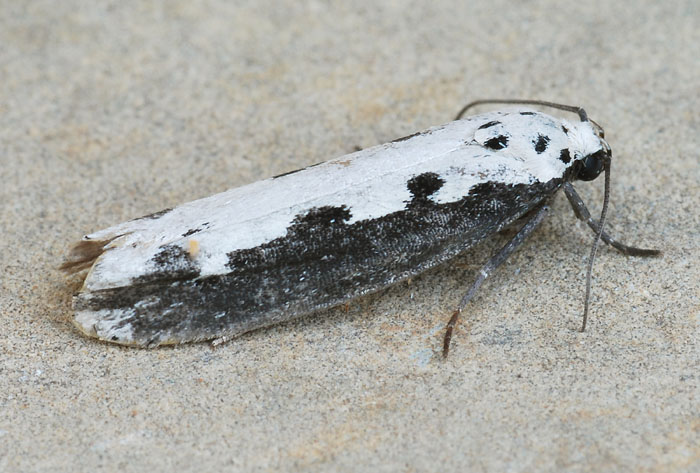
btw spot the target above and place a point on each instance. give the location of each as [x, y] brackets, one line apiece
[591, 166]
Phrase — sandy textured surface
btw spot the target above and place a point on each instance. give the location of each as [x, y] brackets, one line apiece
[109, 112]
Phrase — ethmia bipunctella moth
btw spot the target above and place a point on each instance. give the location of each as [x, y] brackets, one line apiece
[318, 237]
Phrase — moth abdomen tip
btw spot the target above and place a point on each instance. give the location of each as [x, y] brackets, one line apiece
[83, 255]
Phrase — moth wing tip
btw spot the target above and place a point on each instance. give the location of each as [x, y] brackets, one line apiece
[95, 324]
[109, 325]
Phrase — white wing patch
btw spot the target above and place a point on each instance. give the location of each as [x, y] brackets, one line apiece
[370, 183]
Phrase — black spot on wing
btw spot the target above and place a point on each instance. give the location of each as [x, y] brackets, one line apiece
[191, 232]
[541, 143]
[322, 217]
[527, 113]
[497, 142]
[171, 263]
[489, 124]
[565, 129]
[564, 156]
[424, 185]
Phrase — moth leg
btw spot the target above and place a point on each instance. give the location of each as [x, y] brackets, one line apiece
[584, 215]
[489, 267]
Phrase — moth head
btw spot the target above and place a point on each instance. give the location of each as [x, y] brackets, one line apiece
[593, 154]
[592, 165]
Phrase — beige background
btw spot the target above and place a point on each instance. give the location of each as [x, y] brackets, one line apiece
[109, 111]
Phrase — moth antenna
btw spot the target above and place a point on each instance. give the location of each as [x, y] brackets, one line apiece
[567, 108]
[594, 248]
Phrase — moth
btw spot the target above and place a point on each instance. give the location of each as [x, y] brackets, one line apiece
[318, 237]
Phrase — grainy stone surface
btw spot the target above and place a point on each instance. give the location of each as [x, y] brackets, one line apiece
[112, 110]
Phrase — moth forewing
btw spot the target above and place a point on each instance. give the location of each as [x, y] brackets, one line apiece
[315, 238]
